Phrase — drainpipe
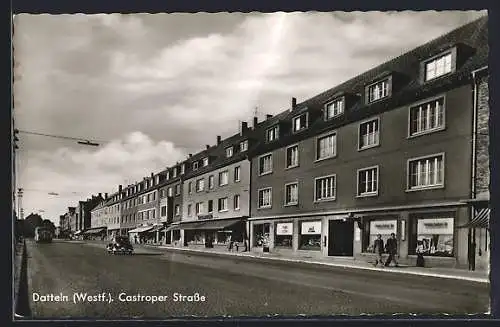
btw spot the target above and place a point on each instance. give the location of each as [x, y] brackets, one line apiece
[474, 131]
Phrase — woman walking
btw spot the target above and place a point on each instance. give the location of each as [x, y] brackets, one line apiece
[378, 249]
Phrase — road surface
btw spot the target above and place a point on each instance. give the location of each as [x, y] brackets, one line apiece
[228, 286]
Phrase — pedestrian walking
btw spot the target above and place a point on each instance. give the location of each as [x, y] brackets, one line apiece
[378, 249]
[392, 249]
[135, 239]
[420, 254]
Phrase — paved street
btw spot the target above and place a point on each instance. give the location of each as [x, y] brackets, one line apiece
[231, 286]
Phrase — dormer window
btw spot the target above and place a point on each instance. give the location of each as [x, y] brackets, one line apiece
[167, 175]
[205, 162]
[300, 122]
[378, 90]
[195, 165]
[438, 67]
[229, 152]
[174, 172]
[183, 168]
[272, 133]
[244, 146]
[334, 108]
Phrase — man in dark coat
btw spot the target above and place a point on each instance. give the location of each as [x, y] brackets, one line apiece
[392, 249]
[378, 249]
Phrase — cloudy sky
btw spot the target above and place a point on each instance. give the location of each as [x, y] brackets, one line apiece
[153, 88]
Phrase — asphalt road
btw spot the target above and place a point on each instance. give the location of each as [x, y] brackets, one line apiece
[230, 286]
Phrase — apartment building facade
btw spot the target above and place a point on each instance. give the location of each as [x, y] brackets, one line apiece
[385, 152]
[113, 214]
[216, 191]
[170, 195]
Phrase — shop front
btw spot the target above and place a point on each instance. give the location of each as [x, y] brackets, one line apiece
[97, 233]
[140, 235]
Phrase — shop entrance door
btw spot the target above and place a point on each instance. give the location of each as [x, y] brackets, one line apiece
[340, 238]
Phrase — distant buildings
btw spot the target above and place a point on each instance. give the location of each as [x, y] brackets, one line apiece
[401, 148]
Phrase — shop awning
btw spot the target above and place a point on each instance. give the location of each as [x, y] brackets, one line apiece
[94, 230]
[155, 229]
[218, 224]
[141, 229]
[480, 220]
[78, 232]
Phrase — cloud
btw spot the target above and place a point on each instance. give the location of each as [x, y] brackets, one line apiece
[159, 86]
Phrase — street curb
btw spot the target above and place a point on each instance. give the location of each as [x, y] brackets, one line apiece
[22, 305]
[327, 264]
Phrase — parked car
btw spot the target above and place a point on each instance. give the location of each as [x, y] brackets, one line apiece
[120, 245]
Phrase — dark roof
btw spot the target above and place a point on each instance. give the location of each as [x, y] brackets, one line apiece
[472, 37]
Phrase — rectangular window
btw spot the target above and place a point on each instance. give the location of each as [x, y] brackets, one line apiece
[369, 134]
[163, 211]
[174, 172]
[190, 187]
[292, 156]
[167, 177]
[177, 210]
[199, 208]
[325, 188]
[272, 133]
[266, 164]
[284, 235]
[427, 117]
[326, 146]
[265, 198]
[189, 210]
[368, 181]
[244, 146]
[291, 194]
[237, 174]
[229, 152]
[300, 122]
[200, 185]
[195, 165]
[170, 192]
[183, 169]
[334, 108]
[438, 67]
[223, 178]
[211, 182]
[205, 162]
[178, 189]
[223, 204]
[426, 172]
[236, 202]
[436, 236]
[210, 206]
[310, 235]
[378, 90]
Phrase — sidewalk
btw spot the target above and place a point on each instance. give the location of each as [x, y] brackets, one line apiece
[348, 263]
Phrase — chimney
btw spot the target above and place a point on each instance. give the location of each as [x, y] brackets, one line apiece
[219, 139]
[294, 103]
[190, 155]
[243, 127]
[119, 188]
[255, 122]
[268, 116]
[208, 146]
[106, 196]
[152, 175]
[100, 195]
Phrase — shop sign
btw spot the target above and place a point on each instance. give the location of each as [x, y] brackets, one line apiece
[435, 226]
[284, 229]
[383, 227]
[311, 227]
[203, 217]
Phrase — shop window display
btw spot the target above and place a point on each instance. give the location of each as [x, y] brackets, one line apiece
[310, 235]
[284, 235]
[373, 228]
[436, 235]
[261, 235]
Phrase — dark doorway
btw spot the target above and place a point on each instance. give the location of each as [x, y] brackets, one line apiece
[340, 238]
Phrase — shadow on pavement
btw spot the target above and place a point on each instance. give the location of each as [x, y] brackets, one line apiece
[22, 305]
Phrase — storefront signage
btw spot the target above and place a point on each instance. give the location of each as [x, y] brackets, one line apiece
[383, 227]
[284, 229]
[203, 217]
[435, 226]
[310, 227]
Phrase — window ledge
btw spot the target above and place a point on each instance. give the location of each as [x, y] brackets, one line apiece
[369, 147]
[326, 158]
[368, 103]
[424, 188]
[333, 117]
[325, 200]
[237, 209]
[367, 195]
[299, 130]
[266, 207]
[291, 204]
[266, 173]
[225, 210]
[439, 77]
[291, 167]
[427, 132]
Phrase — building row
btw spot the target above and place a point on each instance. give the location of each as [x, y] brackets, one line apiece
[401, 148]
